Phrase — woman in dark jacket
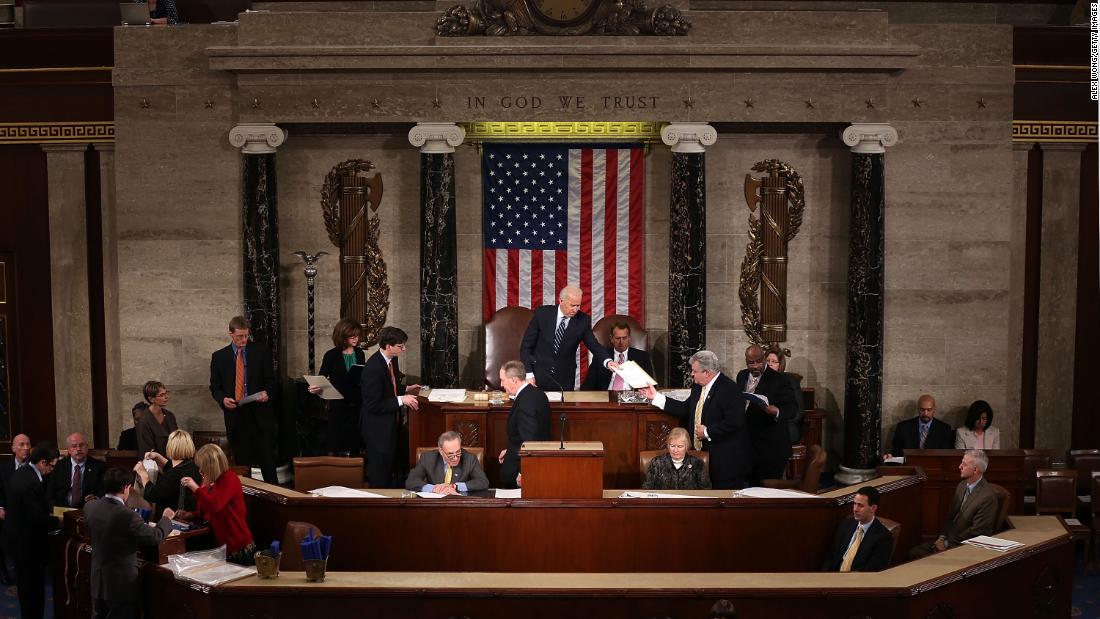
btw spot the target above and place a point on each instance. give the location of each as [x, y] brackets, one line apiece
[341, 365]
[677, 469]
[167, 490]
[157, 422]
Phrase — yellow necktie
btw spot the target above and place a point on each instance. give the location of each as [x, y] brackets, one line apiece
[698, 443]
[853, 548]
[447, 476]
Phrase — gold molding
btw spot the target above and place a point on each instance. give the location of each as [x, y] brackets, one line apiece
[1063, 131]
[635, 131]
[57, 133]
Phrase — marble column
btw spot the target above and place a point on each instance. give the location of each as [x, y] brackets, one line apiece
[866, 284]
[687, 246]
[118, 412]
[72, 366]
[260, 231]
[438, 252]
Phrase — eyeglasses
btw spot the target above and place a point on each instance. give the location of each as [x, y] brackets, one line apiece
[452, 455]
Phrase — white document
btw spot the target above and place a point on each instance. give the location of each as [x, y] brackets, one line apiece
[328, 392]
[633, 494]
[771, 493]
[633, 375]
[555, 396]
[447, 395]
[248, 399]
[516, 493]
[430, 495]
[1073, 522]
[993, 543]
[895, 460]
[757, 399]
[680, 395]
[343, 492]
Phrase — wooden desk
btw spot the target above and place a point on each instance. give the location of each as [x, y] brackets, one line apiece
[1035, 580]
[1006, 468]
[588, 535]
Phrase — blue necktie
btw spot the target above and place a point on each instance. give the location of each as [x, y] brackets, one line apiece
[559, 334]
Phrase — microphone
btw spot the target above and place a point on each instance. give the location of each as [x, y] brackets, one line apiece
[562, 418]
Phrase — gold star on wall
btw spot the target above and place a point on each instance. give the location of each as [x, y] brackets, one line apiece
[208, 104]
[870, 103]
[256, 103]
[981, 103]
[315, 103]
[144, 103]
[916, 101]
[810, 103]
[749, 103]
[689, 103]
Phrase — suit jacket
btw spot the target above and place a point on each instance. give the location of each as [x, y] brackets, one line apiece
[599, 377]
[907, 436]
[259, 376]
[976, 517]
[430, 471]
[347, 382]
[874, 551]
[724, 416]
[61, 482]
[557, 371]
[795, 426]
[379, 411]
[127, 440]
[966, 439]
[771, 437]
[117, 533]
[7, 469]
[528, 420]
[663, 475]
[28, 519]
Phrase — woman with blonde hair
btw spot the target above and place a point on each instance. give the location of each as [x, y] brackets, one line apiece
[220, 502]
[677, 469]
[167, 490]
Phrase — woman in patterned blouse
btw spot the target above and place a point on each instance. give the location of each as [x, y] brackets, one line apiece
[677, 469]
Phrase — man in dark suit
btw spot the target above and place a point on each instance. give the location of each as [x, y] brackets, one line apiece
[239, 370]
[449, 470]
[973, 510]
[603, 379]
[714, 414]
[768, 425]
[382, 386]
[862, 543]
[61, 489]
[529, 420]
[923, 431]
[549, 347]
[20, 450]
[26, 526]
[117, 532]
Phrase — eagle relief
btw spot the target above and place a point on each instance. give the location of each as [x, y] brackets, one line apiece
[561, 17]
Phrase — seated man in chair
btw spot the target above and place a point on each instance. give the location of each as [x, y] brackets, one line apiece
[448, 470]
[862, 543]
[973, 512]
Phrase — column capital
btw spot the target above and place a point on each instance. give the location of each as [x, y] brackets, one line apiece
[869, 138]
[257, 138]
[688, 137]
[434, 138]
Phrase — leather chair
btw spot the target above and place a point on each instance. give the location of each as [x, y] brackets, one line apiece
[1034, 459]
[321, 471]
[296, 531]
[241, 470]
[894, 527]
[503, 336]
[1086, 462]
[100, 454]
[639, 337]
[1056, 494]
[647, 456]
[1004, 501]
[203, 437]
[477, 451]
[811, 480]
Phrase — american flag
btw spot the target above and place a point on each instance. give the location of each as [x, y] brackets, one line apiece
[558, 214]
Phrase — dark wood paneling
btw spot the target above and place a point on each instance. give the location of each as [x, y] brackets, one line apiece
[1033, 239]
[24, 232]
[56, 47]
[1050, 45]
[1052, 74]
[96, 320]
[1086, 360]
[45, 76]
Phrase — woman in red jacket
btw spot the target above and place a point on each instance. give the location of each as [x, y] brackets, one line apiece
[221, 503]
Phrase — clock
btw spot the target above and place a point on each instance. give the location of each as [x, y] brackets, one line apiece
[562, 12]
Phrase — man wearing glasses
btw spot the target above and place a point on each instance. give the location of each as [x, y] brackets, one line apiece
[384, 394]
[27, 524]
[449, 470]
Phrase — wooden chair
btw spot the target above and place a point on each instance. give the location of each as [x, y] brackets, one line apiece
[1056, 494]
[321, 471]
[894, 527]
[203, 437]
[811, 480]
[503, 336]
[241, 470]
[647, 456]
[296, 531]
[1034, 459]
[477, 451]
[1004, 501]
[639, 337]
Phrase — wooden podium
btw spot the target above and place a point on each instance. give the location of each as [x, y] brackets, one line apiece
[550, 472]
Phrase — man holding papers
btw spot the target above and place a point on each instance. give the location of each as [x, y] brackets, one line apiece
[973, 512]
[714, 414]
[449, 470]
[767, 416]
[603, 379]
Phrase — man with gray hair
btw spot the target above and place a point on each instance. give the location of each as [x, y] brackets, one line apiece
[714, 414]
[448, 470]
[549, 347]
[529, 420]
[974, 510]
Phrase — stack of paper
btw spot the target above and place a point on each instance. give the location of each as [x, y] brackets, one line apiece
[503, 493]
[771, 493]
[343, 492]
[993, 543]
[447, 395]
[633, 494]
[633, 375]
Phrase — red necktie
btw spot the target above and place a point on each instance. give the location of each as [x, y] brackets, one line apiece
[393, 379]
[238, 390]
[74, 494]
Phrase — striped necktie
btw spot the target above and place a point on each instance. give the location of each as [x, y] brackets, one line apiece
[923, 434]
[559, 334]
[853, 548]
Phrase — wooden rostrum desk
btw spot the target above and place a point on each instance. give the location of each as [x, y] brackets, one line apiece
[963, 582]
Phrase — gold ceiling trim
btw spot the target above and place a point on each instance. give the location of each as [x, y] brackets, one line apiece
[57, 133]
[1054, 131]
[635, 131]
